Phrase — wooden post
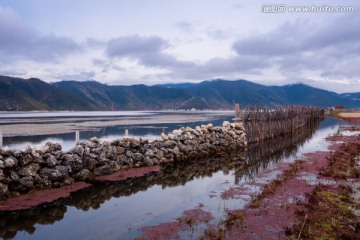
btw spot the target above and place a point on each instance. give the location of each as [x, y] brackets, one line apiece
[1, 139]
[270, 124]
[77, 137]
[126, 132]
[237, 113]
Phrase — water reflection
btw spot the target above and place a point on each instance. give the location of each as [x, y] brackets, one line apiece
[243, 165]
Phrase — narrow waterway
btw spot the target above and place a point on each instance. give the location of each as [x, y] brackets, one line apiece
[119, 210]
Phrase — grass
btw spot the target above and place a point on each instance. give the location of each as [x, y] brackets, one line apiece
[342, 164]
[329, 215]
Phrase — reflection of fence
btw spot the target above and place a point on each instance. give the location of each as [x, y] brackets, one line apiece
[261, 154]
[262, 123]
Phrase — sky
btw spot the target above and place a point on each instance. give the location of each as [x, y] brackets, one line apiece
[120, 42]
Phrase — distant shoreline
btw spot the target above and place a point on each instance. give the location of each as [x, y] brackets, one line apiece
[47, 125]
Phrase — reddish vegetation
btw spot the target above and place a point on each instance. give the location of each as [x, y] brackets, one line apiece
[131, 173]
[331, 219]
[342, 164]
[351, 128]
[163, 231]
[297, 204]
[195, 216]
[291, 207]
[352, 120]
[36, 198]
[235, 192]
[172, 230]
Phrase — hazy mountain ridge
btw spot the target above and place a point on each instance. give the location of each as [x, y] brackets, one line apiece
[33, 94]
[17, 94]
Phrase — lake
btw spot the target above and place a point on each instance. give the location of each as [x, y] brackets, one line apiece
[119, 210]
[35, 129]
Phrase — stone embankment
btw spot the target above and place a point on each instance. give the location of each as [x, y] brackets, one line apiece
[49, 167]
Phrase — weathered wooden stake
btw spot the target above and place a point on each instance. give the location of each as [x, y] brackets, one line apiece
[237, 113]
[126, 132]
[1, 139]
[77, 137]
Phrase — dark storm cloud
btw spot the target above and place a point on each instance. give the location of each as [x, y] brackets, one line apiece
[19, 41]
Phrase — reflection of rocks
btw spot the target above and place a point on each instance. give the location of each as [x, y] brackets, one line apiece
[22, 171]
[93, 197]
[12, 222]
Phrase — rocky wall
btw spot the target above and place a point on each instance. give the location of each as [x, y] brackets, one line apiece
[49, 166]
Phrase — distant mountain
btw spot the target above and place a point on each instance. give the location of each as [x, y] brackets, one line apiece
[33, 94]
[222, 93]
[307, 95]
[136, 97]
[18, 94]
[352, 96]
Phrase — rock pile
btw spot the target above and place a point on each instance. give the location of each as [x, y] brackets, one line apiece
[49, 166]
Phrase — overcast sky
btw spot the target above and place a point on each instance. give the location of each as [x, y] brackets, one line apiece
[167, 41]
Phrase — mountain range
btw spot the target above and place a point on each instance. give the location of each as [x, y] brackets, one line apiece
[18, 94]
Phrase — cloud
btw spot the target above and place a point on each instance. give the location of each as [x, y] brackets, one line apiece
[184, 26]
[297, 47]
[135, 46]
[107, 66]
[20, 41]
[217, 34]
[285, 40]
[79, 76]
[148, 50]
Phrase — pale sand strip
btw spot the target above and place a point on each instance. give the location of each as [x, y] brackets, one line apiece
[350, 114]
[48, 126]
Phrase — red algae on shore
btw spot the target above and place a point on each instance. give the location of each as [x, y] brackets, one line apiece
[236, 192]
[39, 197]
[130, 173]
[173, 230]
[278, 212]
[163, 231]
[35, 198]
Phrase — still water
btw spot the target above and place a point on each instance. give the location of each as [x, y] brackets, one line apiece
[60, 127]
[119, 210]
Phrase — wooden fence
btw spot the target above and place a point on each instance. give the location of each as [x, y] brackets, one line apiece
[264, 123]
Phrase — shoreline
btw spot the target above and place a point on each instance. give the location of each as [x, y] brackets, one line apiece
[287, 206]
[60, 125]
